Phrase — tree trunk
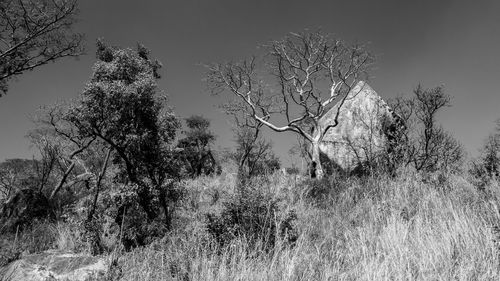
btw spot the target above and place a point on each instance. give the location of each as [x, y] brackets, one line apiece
[98, 186]
[62, 181]
[145, 202]
[316, 169]
[164, 204]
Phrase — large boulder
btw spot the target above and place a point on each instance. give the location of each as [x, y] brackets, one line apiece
[366, 126]
[54, 266]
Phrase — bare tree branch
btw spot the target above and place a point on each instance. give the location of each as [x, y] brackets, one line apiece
[313, 72]
[34, 33]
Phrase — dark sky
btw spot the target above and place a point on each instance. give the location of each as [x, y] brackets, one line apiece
[453, 43]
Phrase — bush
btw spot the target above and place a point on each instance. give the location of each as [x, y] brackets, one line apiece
[252, 215]
[22, 208]
[321, 193]
[34, 238]
[125, 214]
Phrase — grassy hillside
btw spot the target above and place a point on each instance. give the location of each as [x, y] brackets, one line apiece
[404, 228]
[281, 227]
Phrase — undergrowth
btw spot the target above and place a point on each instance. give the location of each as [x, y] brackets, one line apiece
[404, 228]
[408, 227]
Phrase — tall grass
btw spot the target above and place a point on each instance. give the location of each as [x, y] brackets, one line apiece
[37, 237]
[407, 228]
[379, 228]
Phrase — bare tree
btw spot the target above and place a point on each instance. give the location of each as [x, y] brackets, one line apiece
[313, 71]
[14, 175]
[253, 152]
[33, 33]
[49, 156]
[300, 150]
[426, 145]
[56, 133]
[8, 178]
[488, 163]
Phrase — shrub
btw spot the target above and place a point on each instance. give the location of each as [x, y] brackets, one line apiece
[34, 238]
[22, 208]
[252, 215]
[321, 193]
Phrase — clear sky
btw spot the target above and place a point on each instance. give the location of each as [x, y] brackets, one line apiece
[454, 43]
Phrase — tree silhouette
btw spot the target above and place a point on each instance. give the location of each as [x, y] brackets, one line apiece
[34, 33]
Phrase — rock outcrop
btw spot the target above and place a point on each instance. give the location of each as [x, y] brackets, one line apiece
[365, 124]
[53, 266]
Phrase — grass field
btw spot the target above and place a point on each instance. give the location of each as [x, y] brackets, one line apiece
[404, 228]
[410, 227]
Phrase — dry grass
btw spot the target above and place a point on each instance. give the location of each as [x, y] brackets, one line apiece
[404, 228]
[68, 238]
[377, 229]
[38, 237]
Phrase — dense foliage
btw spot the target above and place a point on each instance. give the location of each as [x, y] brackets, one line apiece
[120, 107]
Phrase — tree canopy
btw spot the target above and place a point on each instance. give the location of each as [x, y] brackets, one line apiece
[196, 144]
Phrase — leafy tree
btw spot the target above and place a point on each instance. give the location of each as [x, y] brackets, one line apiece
[120, 107]
[312, 72]
[196, 147]
[425, 144]
[34, 33]
[117, 140]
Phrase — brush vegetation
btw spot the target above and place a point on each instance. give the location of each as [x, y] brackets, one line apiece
[438, 227]
[404, 228]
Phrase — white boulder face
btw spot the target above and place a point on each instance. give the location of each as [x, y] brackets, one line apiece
[53, 265]
[365, 122]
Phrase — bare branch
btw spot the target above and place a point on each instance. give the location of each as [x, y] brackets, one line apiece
[312, 70]
[34, 33]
